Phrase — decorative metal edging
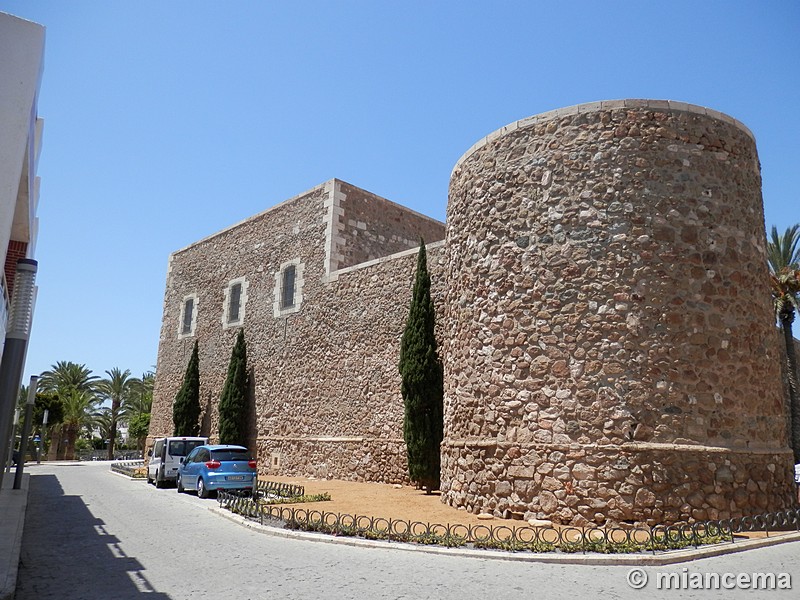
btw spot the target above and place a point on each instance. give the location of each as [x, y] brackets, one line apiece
[512, 538]
[284, 490]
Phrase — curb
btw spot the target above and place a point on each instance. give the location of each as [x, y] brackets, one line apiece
[19, 503]
[666, 558]
[118, 474]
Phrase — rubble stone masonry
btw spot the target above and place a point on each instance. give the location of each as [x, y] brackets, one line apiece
[611, 351]
[324, 378]
[603, 315]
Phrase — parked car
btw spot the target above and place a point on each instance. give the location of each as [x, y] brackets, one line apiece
[215, 467]
[166, 456]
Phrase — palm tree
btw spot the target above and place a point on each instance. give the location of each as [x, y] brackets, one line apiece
[66, 375]
[80, 410]
[140, 397]
[783, 254]
[135, 410]
[116, 388]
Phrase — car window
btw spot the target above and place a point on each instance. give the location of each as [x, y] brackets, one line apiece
[157, 450]
[202, 455]
[191, 456]
[230, 454]
[182, 447]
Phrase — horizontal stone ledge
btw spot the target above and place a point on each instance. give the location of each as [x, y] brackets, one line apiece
[335, 439]
[628, 447]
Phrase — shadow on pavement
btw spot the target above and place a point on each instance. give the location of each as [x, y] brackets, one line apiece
[67, 552]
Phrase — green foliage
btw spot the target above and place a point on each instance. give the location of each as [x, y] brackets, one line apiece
[233, 405]
[50, 402]
[422, 383]
[138, 426]
[186, 408]
[116, 388]
[783, 255]
[323, 497]
[66, 375]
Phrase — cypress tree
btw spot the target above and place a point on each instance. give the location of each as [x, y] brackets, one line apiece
[422, 383]
[233, 407]
[186, 408]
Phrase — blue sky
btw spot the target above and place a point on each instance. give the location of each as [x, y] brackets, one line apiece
[168, 121]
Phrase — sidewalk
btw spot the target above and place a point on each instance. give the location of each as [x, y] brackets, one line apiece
[13, 504]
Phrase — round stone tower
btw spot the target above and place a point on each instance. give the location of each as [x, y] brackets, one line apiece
[611, 350]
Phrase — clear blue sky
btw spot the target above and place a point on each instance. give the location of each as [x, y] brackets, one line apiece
[167, 121]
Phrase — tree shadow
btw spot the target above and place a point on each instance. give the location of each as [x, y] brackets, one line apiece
[68, 553]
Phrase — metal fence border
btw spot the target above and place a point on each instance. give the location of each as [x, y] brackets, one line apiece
[512, 538]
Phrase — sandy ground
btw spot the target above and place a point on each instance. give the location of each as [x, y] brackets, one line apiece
[386, 501]
[406, 503]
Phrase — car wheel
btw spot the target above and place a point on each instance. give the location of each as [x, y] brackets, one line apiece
[179, 484]
[160, 479]
[202, 490]
[149, 479]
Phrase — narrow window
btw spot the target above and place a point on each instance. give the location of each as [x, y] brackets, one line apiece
[287, 287]
[188, 311]
[234, 302]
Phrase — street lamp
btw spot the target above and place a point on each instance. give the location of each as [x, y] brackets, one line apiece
[42, 435]
[26, 431]
[17, 332]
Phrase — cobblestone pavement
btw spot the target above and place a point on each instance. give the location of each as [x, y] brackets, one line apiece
[92, 535]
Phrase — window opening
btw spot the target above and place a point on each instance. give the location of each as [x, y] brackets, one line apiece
[188, 310]
[287, 286]
[234, 303]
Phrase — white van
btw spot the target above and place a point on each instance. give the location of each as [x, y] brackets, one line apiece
[165, 456]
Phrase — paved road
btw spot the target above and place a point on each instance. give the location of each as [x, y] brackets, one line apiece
[92, 535]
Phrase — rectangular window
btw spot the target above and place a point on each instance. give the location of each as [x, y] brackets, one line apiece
[188, 310]
[287, 286]
[234, 302]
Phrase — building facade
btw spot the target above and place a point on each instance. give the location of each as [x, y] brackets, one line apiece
[603, 315]
[22, 52]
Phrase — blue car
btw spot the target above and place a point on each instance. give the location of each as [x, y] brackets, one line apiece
[219, 467]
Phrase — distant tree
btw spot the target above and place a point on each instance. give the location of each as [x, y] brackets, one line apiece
[50, 402]
[422, 383]
[136, 408]
[116, 388]
[233, 407]
[140, 398]
[80, 411]
[783, 255]
[104, 422]
[66, 375]
[186, 408]
[137, 429]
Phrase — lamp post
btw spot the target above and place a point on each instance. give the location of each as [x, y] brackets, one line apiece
[10, 461]
[26, 431]
[42, 435]
[17, 333]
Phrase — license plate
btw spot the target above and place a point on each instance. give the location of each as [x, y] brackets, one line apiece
[234, 478]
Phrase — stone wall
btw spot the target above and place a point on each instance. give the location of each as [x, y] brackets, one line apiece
[610, 349]
[367, 234]
[607, 338]
[324, 378]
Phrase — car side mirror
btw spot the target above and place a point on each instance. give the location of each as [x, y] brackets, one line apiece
[150, 453]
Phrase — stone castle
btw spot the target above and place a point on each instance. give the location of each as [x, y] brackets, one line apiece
[603, 314]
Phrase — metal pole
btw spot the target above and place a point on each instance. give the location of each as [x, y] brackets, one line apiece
[42, 436]
[17, 333]
[10, 461]
[26, 431]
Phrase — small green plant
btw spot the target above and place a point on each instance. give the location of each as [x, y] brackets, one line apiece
[324, 497]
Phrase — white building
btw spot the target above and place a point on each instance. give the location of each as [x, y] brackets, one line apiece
[21, 64]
